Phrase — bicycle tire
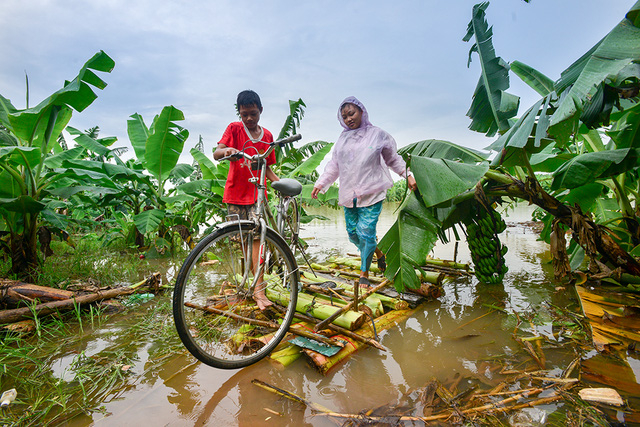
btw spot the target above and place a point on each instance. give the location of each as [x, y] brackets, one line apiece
[289, 223]
[208, 281]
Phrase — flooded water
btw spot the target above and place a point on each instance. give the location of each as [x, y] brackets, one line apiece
[468, 327]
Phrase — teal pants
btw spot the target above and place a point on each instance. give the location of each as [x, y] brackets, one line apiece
[361, 228]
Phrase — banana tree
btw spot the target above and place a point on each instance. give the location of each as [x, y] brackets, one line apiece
[563, 133]
[560, 134]
[29, 137]
[158, 149]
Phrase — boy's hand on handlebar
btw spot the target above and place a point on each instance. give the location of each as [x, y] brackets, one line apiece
[229, 151]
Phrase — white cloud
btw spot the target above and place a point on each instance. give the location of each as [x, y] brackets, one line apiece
[405, 60]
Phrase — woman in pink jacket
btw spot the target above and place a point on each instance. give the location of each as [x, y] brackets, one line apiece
[361, 158]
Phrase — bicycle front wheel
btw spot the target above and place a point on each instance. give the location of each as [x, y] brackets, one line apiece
[213, 308]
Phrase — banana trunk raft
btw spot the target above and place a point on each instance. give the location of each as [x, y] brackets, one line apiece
[327, 306]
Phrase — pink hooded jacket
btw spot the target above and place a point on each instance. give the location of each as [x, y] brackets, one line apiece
[361, 159]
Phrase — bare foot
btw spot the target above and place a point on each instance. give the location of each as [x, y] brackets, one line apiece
[364, 282]
[261, 299]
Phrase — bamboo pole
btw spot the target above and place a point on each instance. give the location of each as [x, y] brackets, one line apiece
[264, 323]
[280, 392]
[487, 408]
[447, 263]
[306, 304]
[374, 303]
[348, 306]
[387, 301]
[286, 356]
[324, 291]
[365, 340]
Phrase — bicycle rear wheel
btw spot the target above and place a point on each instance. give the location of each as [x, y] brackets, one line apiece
[289, 223]
[215, 315]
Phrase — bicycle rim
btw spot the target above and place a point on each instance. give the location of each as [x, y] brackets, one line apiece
[214, 312]
[290, 223]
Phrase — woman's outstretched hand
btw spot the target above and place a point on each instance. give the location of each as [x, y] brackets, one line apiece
[314, 192]
[411, 183]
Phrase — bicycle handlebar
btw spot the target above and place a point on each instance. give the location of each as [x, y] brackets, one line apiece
[288, 140]
[272, 145]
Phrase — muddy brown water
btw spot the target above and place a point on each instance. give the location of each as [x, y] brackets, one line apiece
[458, 334]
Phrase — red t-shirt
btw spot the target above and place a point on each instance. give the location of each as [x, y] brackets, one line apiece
[238, 190]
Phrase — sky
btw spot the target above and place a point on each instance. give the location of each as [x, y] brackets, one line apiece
[404, 59]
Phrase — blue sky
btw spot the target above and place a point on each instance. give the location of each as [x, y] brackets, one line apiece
[405, 60]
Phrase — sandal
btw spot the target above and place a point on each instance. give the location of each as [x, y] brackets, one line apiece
[364, 283]
[382, 263]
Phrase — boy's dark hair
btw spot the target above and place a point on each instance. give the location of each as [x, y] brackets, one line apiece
[247, 98]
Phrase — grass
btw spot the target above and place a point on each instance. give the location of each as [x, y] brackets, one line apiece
[89, 261]
[57, 370]
[51, 393]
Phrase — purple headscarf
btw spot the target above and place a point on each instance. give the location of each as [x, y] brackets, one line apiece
[365, 116]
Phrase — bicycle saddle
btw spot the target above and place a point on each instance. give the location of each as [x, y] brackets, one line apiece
[287, 186]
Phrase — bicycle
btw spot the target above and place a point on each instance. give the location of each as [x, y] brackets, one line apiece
[213, 310]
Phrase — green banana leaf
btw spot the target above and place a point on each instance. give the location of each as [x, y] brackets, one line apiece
[6, 108]
[80, 176]
[331, 194]
[57, 160]
[115, 172]
[440, 180]
[165, 143]
[89, 143]
[521, 140]
[312, 162]
[149, 221]
[292, 122]
[138, 135]
[588, 167]
[22, 204]
[207, 167]
[181, 171]
[9, 187]
[20, 156]
[59, 119]
[408, 242]
[532, 77]
[585, 196]
[605, 209]
[439, 149]
[76, 94]
[66, 192]
[492, 106]
[549, 159]
[625, 130]
[179, 198]
[602, 64]
[194, 188]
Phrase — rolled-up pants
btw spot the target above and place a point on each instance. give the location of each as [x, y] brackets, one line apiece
[361, 228]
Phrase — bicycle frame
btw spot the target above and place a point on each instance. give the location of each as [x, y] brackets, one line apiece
[263, 211]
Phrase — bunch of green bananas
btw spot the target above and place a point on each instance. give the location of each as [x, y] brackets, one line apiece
[487, 252]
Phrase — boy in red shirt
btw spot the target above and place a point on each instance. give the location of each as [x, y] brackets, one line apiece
[240, 194]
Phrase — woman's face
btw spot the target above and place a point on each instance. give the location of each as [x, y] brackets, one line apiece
[352, 116]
